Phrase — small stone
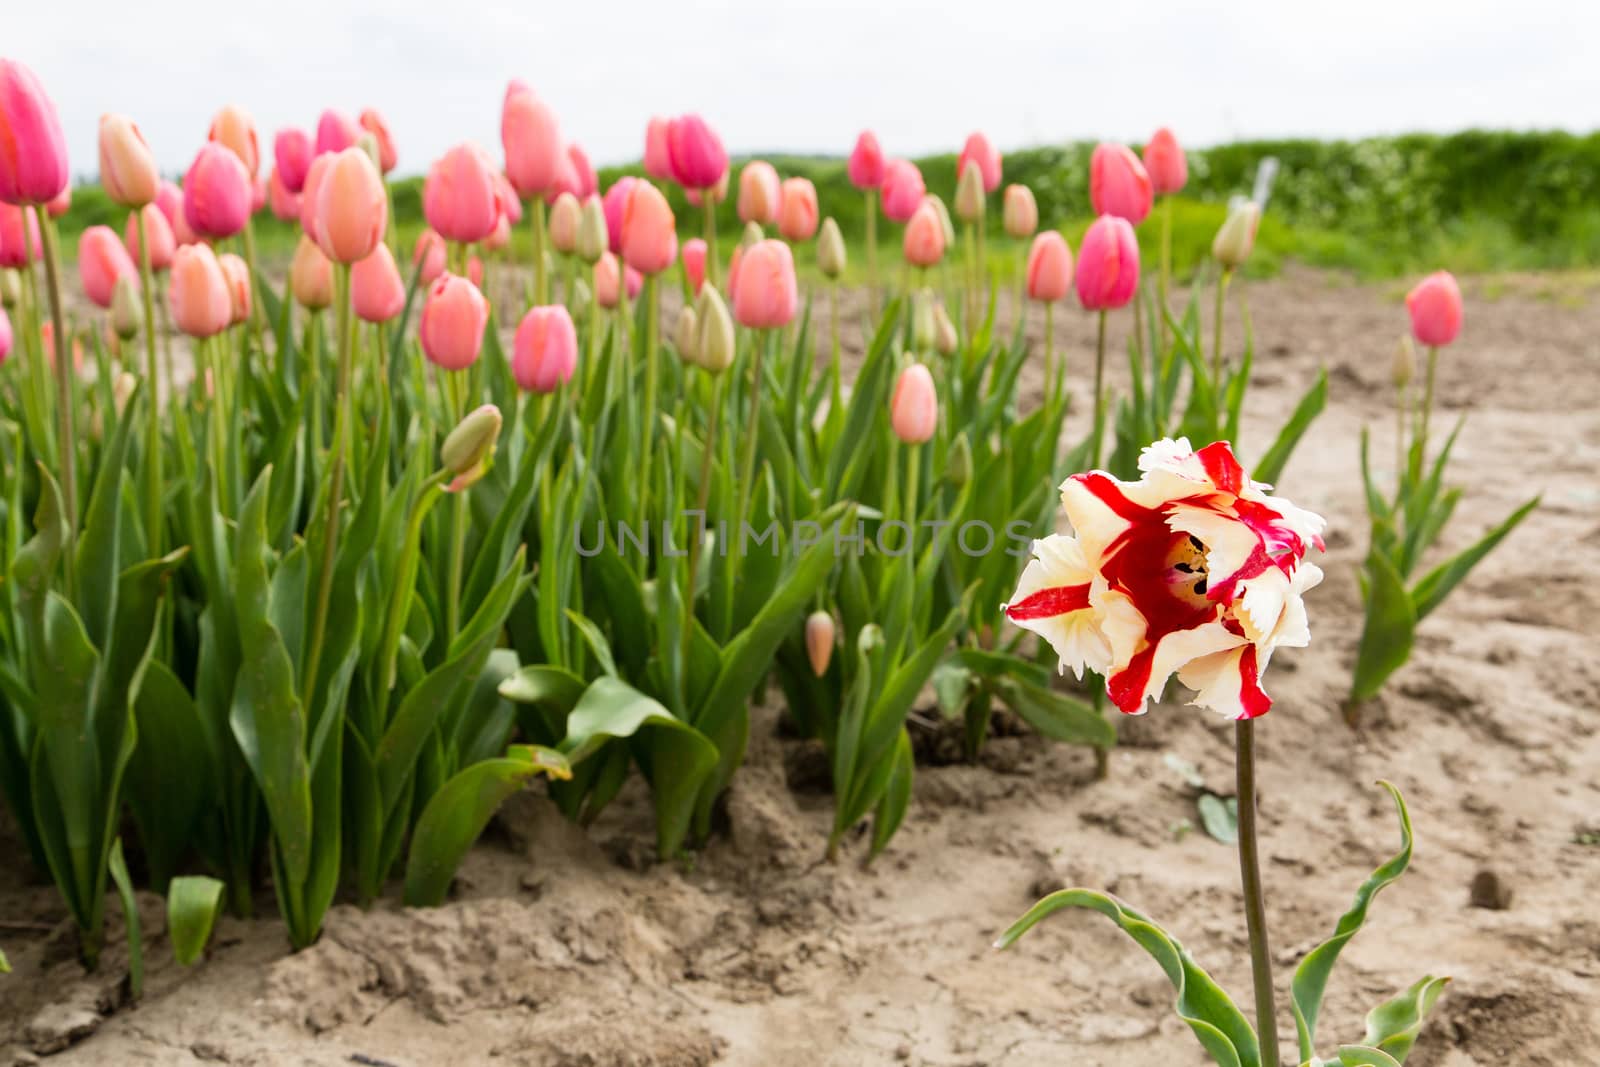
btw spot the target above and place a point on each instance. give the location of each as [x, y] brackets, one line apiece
[1488, 891]
[902, 1051]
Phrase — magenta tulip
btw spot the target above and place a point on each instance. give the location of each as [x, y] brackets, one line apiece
[216, 192]
[33, 152]
[336, 131]
[698, 159]
[1108, 264]
[1118, 184]
[903, 190]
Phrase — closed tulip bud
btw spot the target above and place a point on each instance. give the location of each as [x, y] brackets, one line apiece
[33, 152]
[376, 292]
[373, 123]
[819, 641]
[6, 338]
[768, 293]
[310, 276]
[1118, 183]
[914, 409]
[428, 256]
[945, 338]
[368, 146]
[125, 313]
[945, 224]
[924, 325]
[10, 288]
[593, 236]
[924, 240]
[607, 281]
[1237, 235]
[685, 335]
[751, 235]
[159, 232]
[582, 297]
[958, 465]
[866, 162]
[1166, 164]
[458, 195]
[657, 150]
[285, 205]
[758, 193]
[336, 131]
[1108, 264]
[197, 293]
[234, 129]
[216, 192]
[831, 257]
[694, 263]
[19, 235]
[292, 150]
[122, 387]
[101, 261]
[969, 195]
[1405, 363]
[352, 207]
[649, 240]
[1049, 268]
[127, 169]
[565, 214]
[1435, 306]
[695, 151]
[531, 137]
[468, 448]
[238, 277]
[979, 153]
[1021, 212]
[902, 189]
[797, 209]
[453, 318]
[714, 342]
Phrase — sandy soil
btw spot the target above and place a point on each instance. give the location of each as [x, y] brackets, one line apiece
[575, 950]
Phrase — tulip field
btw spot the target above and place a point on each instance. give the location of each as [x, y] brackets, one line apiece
[727, 615]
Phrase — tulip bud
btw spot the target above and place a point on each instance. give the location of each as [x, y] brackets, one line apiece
[969, 194]
[1405, 363]
[1237, 236]
[978, 154]
[468, 448]
[373, 123]
[866, 162]
[565, 215]
[593, 238]
[759, 193]
[10, 287]
[33, 151]
[830, 250]
[751, 235]
[102, 259]
[684, 335]
[819, 641]
[924, 242]
[945, 339]
[197, 293]
[368, 143]
[945, 224]
[914, 409]
[310, 276]
[958, 465]
[714, 344]
[122, 388]
[125, 313]
[1165, 162]
[127, 168]
[1435, 306]
[1021, 212]
[797, 209]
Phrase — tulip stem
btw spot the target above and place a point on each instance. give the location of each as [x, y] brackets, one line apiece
[913, 483]
[152, 444]
[981, 300]
[1255, 914]
[1427, 409]
[1049, 348]
[541, 291]
[708, 200]
[747, 466]
[1166, 265]
[256, 315]
[1216, 337]
[64, 399]
[702, 498]
[458, 520]
[872, 248]
[39, 375]
[652, 329]
[1099, 388]
[836, 398]
[1400, 411]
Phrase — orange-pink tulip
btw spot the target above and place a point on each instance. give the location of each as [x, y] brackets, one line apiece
[453, 320]
[866, 162]
[373, 123]
[1166, 164]
[797, 209]
[1118, 183]
[197, 293]
[352, 207]
[310, 276]
[758, 193]
[236, 130]
[459, 195]
[902, 190]
[924, 240]
[159, 231]
[649, 239]
[694, 263]
[1108, 264]
[33, 152]
[657, 149]
[336, 131]
[430, 252]
[546, 349]
[292, 150]
[216, 192]
[101, 261]
[376, 292]
[914, 408]
[768, 294]
[1049, 268]
[19, 235]
[607, 284]
[237, 274]
[698, 159]
[980, 153]
[531, 137]
[1435, 306]
[1020, 212]
[127, 169]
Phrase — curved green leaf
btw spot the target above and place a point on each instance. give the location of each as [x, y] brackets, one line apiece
[1433, 587]
[1389, 629]
[130, 915]
[1216, 1021]
[1056, 715]
[1359, 1056]
[192, 905]
[1311, 976]
[1271, 465]
[1393, 1026]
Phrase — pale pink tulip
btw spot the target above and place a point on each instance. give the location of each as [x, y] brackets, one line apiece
[159, 230]
[376, 292]
[1049, 268]
[649, 236]
[336, 131]
[453, 320]
[101, 261]
[614, 201]
[431, 253]
[768, 294]
[759, 192]
[914, 408]
[1435, 306]
[285, 205]
[980, 153]
[237, 274]
[531, 137]
[459, 195]
[694, 263]
[546, 349]
[234, 129]
[352, 207]
[371, 121]
[311, 276]
[1166, 164]
[657, 149]
[197, 293]
[127, 168]
[797, 210]
[924, 240]
[19, 235]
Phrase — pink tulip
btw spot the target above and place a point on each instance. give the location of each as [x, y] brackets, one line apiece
[532, 141]
[101, 261]
[216, 192]
[587, 183]
[431, 253]
[352, 207]
[866, 165]
[718, 192]
[308, 194]
[285, 205]
[758, 193]
[797, 210]
[159, 231]
[506, 199]
[546, 349]
[373, 123]
[902, 190]
[606, 283]
[292, 151]
[615, 199]
[33, 152]
[197, 293]
[698, 159]
[258, 194]
[649, 237]
[980, 152]
[1435, 306]
[634, 280]
[768, 294]
[453, 319]
[6, 339]
[499, 238]
[127, 169]
[564, 215]
[336, 131]
[734, 262]
[1167, 165]
[237, 274]
[1049, 268]
[458, 196]
[914, 408]
[924, 241]
[376, 292]
[1020, 211]
[1108, 264]
[657, 149]
[59, 204]
[234, 129]
[694, 263]
[19, 235]
[1118, 184]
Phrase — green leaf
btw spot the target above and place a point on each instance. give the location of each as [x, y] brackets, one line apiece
[896, 798]
[1311, 976]
[192, 905]
[1393, 1026]
[1220, 817]
[1271, 465]
[456, 815]
[99, 544]
[130, 914]
[167, 806]
[1215, 1020]
[1357, 1056]
[5, 964]
[1056, 715]
[1389, 629]
[1434, 586]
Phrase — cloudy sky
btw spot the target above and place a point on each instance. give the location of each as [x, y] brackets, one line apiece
[808, 76]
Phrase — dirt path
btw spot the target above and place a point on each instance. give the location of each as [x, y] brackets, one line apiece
[573, 950]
